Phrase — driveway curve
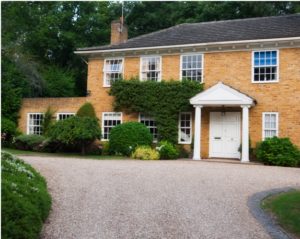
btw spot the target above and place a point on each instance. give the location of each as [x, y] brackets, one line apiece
[155, 199]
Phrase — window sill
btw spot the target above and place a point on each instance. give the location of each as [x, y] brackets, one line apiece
[265, 82]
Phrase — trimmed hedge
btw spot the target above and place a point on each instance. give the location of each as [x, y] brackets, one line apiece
[86, 110]
[25, 199]
[124, 138]
[29, 142]
[278, 151]
[167, 150]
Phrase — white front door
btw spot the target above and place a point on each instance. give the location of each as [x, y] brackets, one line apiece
[225, 134]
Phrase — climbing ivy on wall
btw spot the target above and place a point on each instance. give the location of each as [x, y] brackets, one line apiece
[162, 100]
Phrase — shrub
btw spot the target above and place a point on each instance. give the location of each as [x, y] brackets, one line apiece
[145, 153]
[278, 151]
[167, 150]
[105, 148]
[29, 142]
[8, 131]
[25, 201]
[182, 152]
[124, 138]
[86, 110]
[47, 120]
[76, 131]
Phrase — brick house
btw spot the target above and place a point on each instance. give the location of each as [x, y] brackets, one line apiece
[250, 68]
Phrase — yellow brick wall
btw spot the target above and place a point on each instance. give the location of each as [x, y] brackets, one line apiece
[232, 68]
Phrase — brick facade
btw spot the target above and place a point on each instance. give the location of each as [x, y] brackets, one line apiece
[232, 68]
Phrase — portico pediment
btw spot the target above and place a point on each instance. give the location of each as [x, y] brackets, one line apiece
[221, 94]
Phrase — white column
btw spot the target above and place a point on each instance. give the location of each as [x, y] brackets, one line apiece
[245, 134]
[197, 134]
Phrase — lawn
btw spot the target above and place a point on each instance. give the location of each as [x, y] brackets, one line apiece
[70, 155]
[285, 207]
[25, 200]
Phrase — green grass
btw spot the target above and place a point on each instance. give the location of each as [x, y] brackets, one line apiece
[69, 155]
[25, 200]
[285, 207]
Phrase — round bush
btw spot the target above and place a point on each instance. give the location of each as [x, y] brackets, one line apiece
[8, 131]
[124, 138]
[86, 110]
[278, 151]
[167, 150]
[145, 153]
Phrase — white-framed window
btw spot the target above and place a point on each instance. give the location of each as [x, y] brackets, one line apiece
[112, 70]
[265, 66]
[34, 123]
[270, 124]
[185, 128]
[110, 120]
[191, 67]
[62, 116]
[150, 69]
[150, 123]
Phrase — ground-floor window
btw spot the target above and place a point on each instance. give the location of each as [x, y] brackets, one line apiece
[150, 123]
[62, 116]
[110, 120]
[270, 124]
[34, 123]
[185, 128]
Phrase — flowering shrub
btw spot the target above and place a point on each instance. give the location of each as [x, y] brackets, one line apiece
[25, 200]
[145, 153]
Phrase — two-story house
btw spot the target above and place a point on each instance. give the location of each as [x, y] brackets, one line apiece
[250, 69]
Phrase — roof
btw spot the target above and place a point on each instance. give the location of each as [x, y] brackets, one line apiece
[217, 31]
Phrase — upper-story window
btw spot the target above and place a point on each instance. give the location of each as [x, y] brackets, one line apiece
[265, 66]
[270, 124]
[35, 123]
[62, 116]
[113, 70]
[191, 67]
[150, 68]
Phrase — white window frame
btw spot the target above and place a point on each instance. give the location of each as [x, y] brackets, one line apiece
[28, 126]
[253, 65]
[151, 119]
[102, 123]
[160, 67]
[179, 128]
[63, 113]
[105, 72]
[192, 54]
[263, 124]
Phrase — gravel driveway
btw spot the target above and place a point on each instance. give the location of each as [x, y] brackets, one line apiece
[155, 199]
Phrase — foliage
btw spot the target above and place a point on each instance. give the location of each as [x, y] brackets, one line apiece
[278, 151]
[47, 120]
[182, 152]
[8, 131]
[75, 131]
[105, 148]
[124, 138]
[167, 150]
[145, 153]
[86, 110]
[29, 142]
[286, 208]
[162, 100]
[25, 201]
[59, 82]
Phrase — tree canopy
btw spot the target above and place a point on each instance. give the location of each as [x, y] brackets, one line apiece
[39, 38]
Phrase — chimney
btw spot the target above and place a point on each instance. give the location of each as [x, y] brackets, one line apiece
[119, 32]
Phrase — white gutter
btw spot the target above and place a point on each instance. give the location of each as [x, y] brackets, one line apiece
[188, 45]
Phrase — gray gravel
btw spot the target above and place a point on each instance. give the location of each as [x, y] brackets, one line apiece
[155, 199]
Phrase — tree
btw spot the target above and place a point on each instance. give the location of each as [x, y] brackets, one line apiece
[76, 131]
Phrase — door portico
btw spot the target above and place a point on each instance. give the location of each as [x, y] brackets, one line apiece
[221, 95]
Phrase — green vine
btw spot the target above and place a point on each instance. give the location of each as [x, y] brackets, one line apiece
[162, 100]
